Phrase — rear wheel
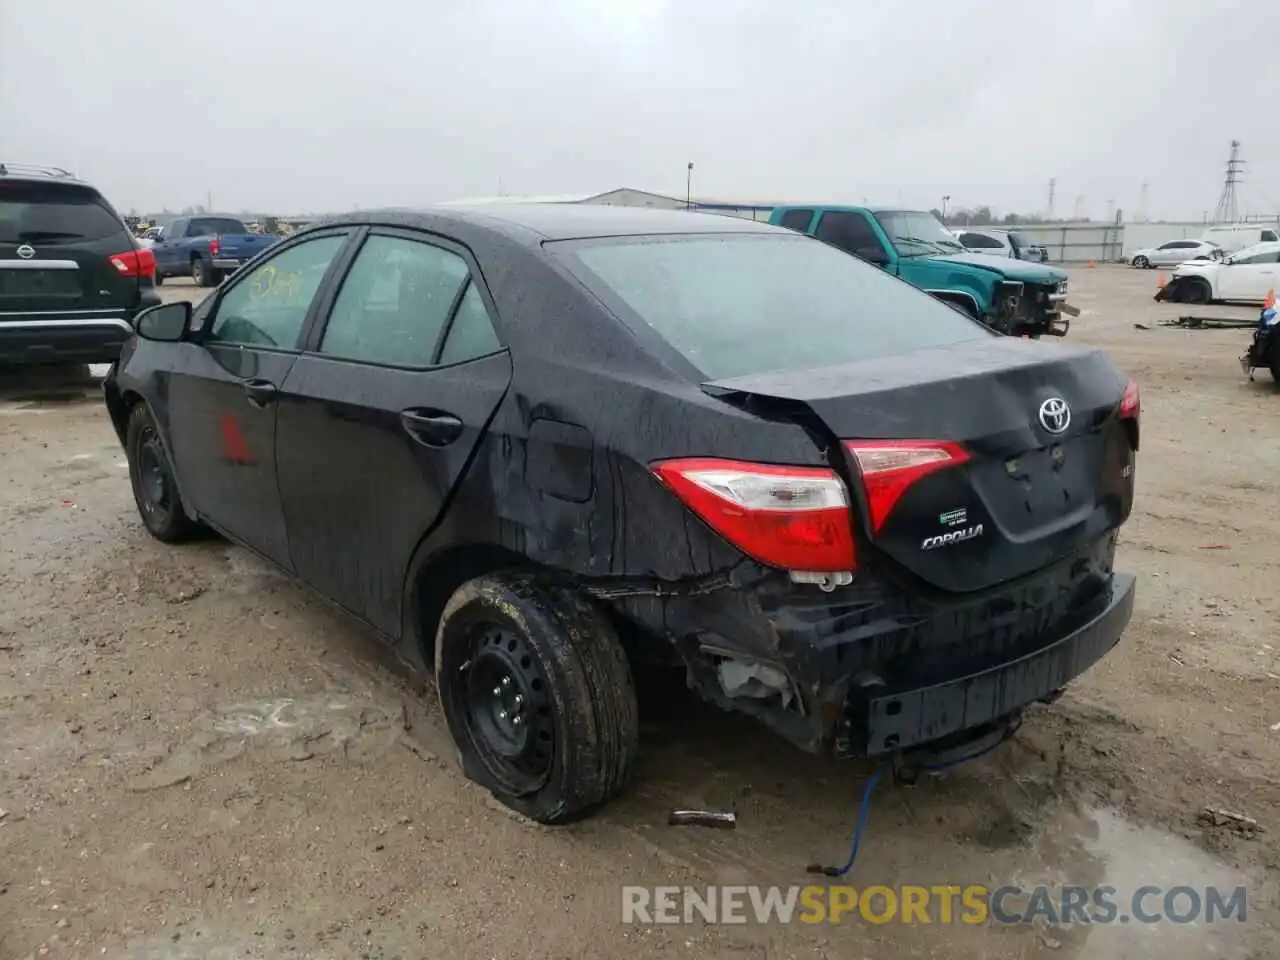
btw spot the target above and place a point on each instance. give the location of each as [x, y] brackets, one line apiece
[151, 476]
[538, 695]
[200, 274]
[1141, 263]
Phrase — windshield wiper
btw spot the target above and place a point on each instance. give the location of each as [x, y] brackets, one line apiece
[930, 244]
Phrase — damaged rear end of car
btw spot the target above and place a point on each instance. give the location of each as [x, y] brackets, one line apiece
[946, 557]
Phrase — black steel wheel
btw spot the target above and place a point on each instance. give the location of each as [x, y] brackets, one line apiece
[151, 475]
[538, 696]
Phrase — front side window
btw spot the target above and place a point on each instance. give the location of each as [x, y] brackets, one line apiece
[394, 302]
[848, 231]
[737, 305]
[268, 305]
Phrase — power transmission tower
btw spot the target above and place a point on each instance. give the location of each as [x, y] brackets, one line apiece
[1053, 189]
[1228, 209]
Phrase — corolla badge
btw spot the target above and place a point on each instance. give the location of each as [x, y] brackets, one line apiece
[1055, 415]
[26, 251]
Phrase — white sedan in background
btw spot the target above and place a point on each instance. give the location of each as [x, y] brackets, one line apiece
[1247, 276]
[1174, 252]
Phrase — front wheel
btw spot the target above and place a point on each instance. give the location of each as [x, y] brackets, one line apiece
[1197, 291]
[1142, 263]
[151, 475]
[537, 693]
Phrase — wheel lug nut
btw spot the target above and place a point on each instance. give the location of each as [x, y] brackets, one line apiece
[506, 681]
[502, 714]
[497, 691]
[518, 699]
[516, 721]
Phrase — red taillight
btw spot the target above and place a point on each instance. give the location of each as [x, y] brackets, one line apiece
[796, 518]
[890, 467]
[134, 263]
[213, 247]
[1131, 402]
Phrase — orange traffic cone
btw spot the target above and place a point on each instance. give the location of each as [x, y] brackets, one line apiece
[1270, 302]
[1092, 264]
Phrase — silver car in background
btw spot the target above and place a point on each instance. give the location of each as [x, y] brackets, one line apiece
[1002, 243]
[1173, 252]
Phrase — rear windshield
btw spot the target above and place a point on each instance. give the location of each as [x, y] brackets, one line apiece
[207, 226]
[36, 213]
[739, 305]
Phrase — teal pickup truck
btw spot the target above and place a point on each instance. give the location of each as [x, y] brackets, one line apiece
[1014, 297]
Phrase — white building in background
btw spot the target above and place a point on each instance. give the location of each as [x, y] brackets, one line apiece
[630, 197]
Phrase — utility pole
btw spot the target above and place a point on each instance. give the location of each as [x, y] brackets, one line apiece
[1142, 205]
[688, 187]
[1053, 190]
[208, 199]
[945, 198]
[1228, 209]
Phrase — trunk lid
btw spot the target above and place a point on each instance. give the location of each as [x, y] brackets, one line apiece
[1039, 481]
[56, 240]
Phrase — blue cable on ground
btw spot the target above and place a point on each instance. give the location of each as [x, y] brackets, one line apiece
[864, 810]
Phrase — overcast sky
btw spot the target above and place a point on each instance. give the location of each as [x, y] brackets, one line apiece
[321, 105]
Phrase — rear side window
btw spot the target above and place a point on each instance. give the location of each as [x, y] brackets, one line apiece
[797, 220]
[394, 303]
[208, 226]
[471, 333]
[740, 305]
[41, 213]
[1268, 235]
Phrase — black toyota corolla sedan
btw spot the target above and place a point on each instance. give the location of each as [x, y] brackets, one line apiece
[527, 444]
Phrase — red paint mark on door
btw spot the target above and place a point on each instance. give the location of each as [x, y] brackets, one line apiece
[234, 447]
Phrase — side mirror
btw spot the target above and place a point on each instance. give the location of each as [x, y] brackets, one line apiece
[166, 323]
[873, 255]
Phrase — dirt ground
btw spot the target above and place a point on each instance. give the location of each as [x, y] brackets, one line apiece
[199, 760]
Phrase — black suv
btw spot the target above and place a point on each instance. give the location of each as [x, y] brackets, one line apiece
[72, 276]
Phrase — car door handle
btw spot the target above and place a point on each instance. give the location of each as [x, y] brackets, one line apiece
[260, 392]
[434, 428]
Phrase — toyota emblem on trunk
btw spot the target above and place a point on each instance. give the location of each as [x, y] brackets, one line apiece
[1055, 415]
[26, 251]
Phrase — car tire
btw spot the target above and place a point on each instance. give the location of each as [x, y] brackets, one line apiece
[1142, 263]
[513, 647]
[151, 475]
[159, 278]
[1197, 291]
[200, 274]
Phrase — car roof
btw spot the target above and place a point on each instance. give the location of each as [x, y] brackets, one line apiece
[535, 222]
